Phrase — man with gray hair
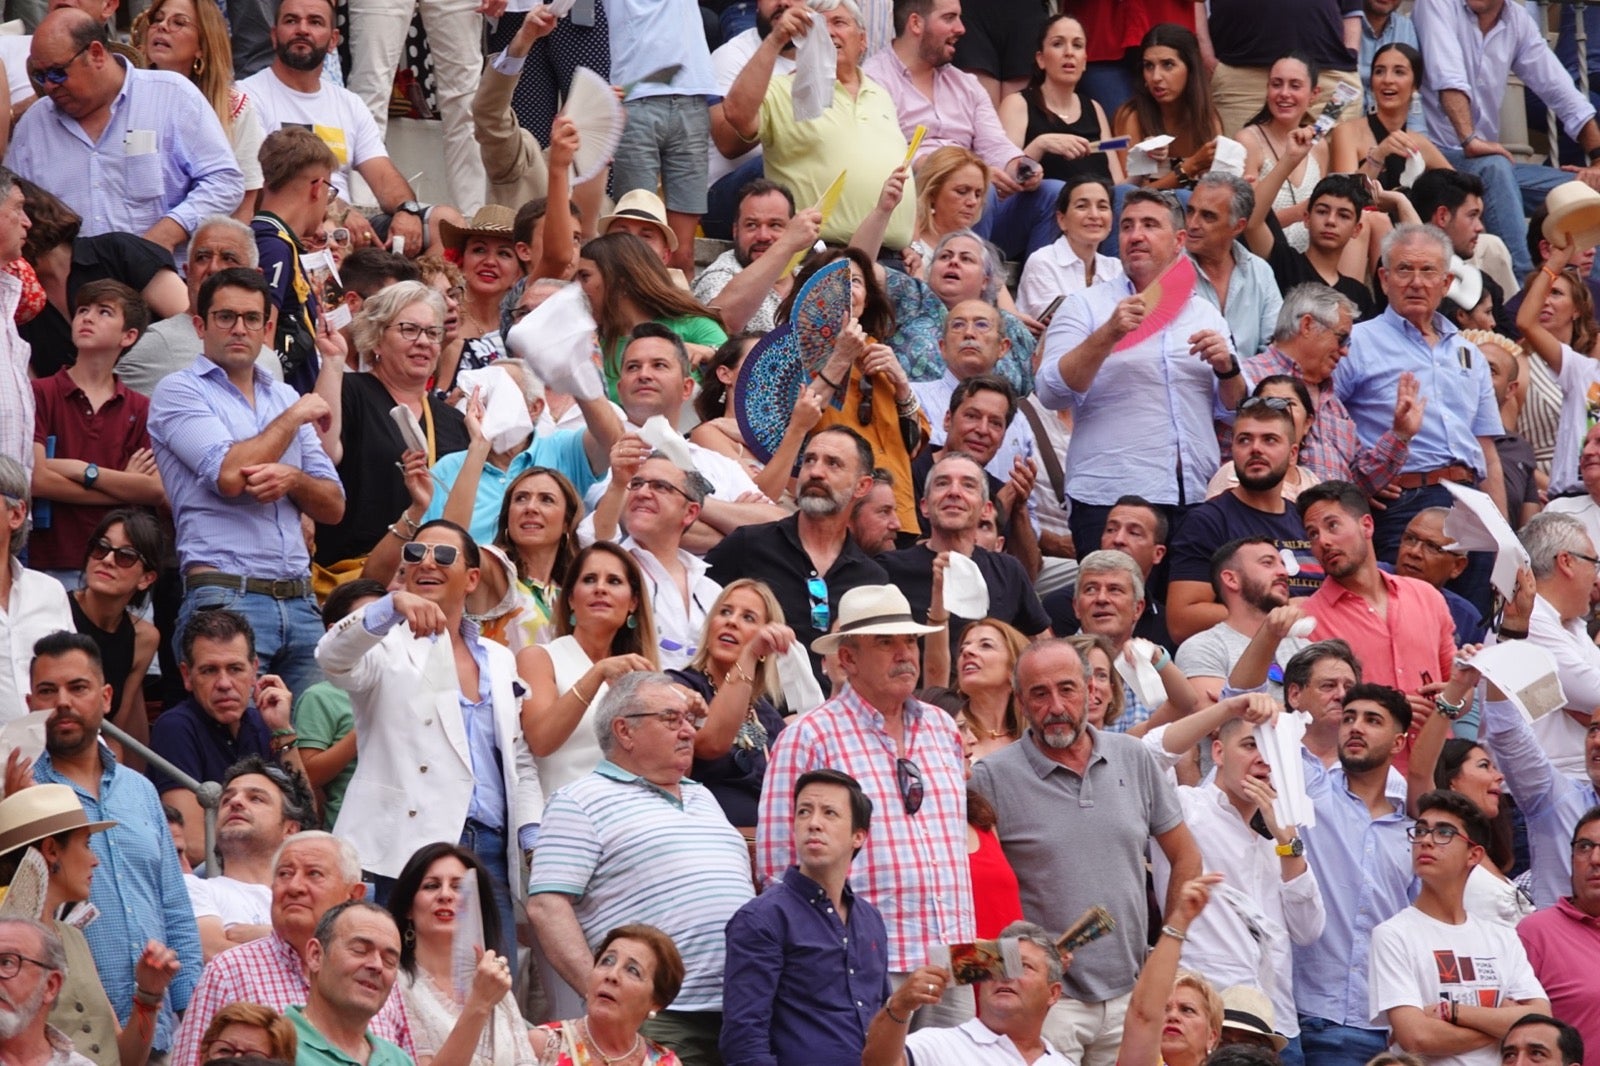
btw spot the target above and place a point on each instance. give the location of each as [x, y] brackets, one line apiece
[1232, 278]
[656, 502]
[16, 388]
[1460, 418]
[1109, 601]
[1113, 400]
[313, 872]
[1310, 337]
[32, 603]
[33, 964]
[1013, 1013]
[637, 841]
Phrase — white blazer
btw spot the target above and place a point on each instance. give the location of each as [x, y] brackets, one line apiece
[413, 780]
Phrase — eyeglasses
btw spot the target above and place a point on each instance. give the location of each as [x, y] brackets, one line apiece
[821, 613]
[673, 719]
[958, 325]
[126, 558]
[1271, 403]
[54, 77]
[1441, 834]
[1408, 273]
[11, 964]
[232, 1051]
[172, 22]
[412, 330]
[444, 555]
[909, 778]
[1586, 558]
[655, 485]
[1584, 848]
[1429, 546]
[226, 319]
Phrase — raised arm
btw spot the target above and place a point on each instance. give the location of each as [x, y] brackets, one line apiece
[1147, 1006]
[1543, 342]
[736, 121]
[1257, 234]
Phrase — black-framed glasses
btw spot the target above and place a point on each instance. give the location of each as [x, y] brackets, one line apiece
[54, 77]
[673, 719]
[1271, 403]
[1429, 546]
[444, 555]
[125, 558]
[655, 485]
[1584, 848]
[909, 778]
[821, 613]
[225, 318]
[412, 330]
[1586, 558]
[1442, 834]
[11, 964]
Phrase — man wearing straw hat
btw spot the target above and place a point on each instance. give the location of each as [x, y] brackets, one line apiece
[909, 760]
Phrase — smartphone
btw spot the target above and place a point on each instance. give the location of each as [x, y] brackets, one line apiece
[1050, 312]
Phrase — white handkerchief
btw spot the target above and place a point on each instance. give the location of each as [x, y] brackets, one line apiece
[1413, 169]
[1477, 525]
[467, 936]
[1140, 164]
[659, 434]
[506, 421]
[24, 734]
[1229, 158]
[816, 63]
[1303, 627]
[1279, 744]
[1140, 674]
[1526, 673]
[966, 594]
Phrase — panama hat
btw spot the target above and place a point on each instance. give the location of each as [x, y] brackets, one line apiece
[871, 610]
[491, 220]
[40, 811]
[644, 205]
[1248, 1010]
[1574, 217]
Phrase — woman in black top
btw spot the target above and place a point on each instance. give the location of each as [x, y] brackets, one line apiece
[736, 673]
[1052, 120]
[1379, 144]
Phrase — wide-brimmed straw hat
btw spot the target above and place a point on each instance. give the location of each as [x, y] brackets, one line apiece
[491, 220]
[644, 205]
[40, 811]
[1248, 1010]
[871, 610]
[1574, 217]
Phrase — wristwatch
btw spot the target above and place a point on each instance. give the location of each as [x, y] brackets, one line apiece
[1292, 850]
[91, 474]
[412, 207]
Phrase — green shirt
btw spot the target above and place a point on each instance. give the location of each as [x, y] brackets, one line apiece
[316, 1051]
[693, 329]
[322, 716]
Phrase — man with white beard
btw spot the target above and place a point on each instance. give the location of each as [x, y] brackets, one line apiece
[32, 966]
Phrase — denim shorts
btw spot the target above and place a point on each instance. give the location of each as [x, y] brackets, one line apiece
[665, 143]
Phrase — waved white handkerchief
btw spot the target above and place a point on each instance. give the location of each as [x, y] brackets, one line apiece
[1140, 674]
[966, 594]
[1413, 169]
[659, 434]
[1477, 525]
[1303, 627]
[800, 689]
[1140, 165]
[1229, 158]
[556, 340]
[506, 421]
[816, 64]
[1279, 744]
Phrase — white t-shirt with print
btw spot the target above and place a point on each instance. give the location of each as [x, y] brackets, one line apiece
[335, 115]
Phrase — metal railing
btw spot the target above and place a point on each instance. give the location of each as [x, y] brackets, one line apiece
[1580, 36]
[207, 793]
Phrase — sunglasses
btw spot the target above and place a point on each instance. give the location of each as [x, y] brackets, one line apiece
[55, 77]
[444, 555]
[1271, 403]
[909, 778]
[125, 558]
[821, 614]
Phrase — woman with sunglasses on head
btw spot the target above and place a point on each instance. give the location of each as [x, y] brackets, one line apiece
[604, 629]
[125, 552]
[1280, 392]
[397, 333]
[193, 39]
[736, 673]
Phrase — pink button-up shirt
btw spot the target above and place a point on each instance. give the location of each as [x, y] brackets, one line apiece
[960, 112]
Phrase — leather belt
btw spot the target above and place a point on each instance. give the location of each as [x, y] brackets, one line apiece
[1461, 475]
[290, 588]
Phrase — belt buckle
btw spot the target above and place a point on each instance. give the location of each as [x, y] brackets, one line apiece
[284, 588]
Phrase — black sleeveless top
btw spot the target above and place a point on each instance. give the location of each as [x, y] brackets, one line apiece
[116, 649]
[1389, 177]
[1041, 120]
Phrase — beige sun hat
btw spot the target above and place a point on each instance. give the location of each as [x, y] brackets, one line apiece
[39, 811]
[1248, 1010]
[644, 205]
[871, 610]
[1574, 216]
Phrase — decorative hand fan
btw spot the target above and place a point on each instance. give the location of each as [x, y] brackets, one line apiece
[1163, 300]
[916, 142]
[767, 389]
[25, 896]
[598, 114]
[821, 310]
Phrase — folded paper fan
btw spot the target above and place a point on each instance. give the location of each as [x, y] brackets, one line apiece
[1164, 299]
[821, 310]
[767, 389]
[598, 114]
[830, 200]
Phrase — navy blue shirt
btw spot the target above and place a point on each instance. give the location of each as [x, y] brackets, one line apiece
[202, 747]
[800, 986]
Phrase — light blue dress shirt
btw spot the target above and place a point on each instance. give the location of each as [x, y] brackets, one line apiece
[1455, 381]
[163, 154]
[1398, 30]
[561, 450]
[196, 416]
[1253, 300]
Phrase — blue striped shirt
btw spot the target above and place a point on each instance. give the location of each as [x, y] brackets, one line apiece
[138, 886]
[196, 415]
[627, 851]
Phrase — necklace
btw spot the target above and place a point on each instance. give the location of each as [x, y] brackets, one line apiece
[994, 734]
[638, 1038]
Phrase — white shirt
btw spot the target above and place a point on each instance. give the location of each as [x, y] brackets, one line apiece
[335, 115]
[239, 902]
[974, 1044]
[1221, 945]
[38, 607]
[679, 626]
[726, 63]
[1580, 394]
[1578, 670]
[14, 54]
[1056, 270]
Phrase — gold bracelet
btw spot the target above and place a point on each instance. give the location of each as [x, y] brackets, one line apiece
[738, 674]
[576, 691]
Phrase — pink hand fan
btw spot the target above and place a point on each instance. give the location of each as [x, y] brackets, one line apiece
[1163, 300]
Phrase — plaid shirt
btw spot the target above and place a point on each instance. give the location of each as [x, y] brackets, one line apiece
[1331, 450]
[913, 868]
[268, 972]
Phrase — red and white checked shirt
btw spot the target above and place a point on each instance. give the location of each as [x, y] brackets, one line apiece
[913, 868]
[268, 972]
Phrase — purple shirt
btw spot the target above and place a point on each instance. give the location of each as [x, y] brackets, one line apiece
[960, 112]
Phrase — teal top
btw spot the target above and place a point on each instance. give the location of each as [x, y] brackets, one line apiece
[316, 1051]
[322, 716]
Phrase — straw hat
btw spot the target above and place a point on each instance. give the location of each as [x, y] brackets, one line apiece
[40, 811]
[645, 206]
[491, 220]
[871, 610]
[1574, 216]
[1248, 1010]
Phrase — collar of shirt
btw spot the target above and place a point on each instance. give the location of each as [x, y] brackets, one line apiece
[1404, 326]
[607, 768]
[1571, 910]
[1545, 612]
[849, 551]
[1337, 592]
[205, 369]
[119, 391]
[1045, 766]
[913, 710]
[692, 563]
[480, 656]
[1394, 790]
[45, 773]
[809, 890]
